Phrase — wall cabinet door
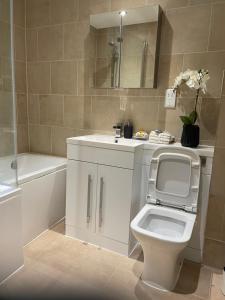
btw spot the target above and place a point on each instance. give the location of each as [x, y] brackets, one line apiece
[114, 194]
[81, 194]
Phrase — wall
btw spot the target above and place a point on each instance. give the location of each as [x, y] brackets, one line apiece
[60, 101]
[61, 104]
[20, 72]
[6, 97]
[215, 231]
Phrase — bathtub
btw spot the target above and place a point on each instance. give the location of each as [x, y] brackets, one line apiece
[42, 179]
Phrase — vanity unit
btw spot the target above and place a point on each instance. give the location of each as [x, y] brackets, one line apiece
[103, 191]
[107, 186]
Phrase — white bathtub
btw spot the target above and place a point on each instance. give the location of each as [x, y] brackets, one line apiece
[42, 179]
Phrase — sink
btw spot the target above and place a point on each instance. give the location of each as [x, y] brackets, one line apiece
[106, 141]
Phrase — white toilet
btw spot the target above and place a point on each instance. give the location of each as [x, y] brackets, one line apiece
[164, 225]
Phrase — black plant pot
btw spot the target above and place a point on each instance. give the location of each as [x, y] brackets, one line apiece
[190, 136]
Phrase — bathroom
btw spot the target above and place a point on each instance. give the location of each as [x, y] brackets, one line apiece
[66, 79]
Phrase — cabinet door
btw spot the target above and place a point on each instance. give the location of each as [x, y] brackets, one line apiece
[114, 202]
[81, 194]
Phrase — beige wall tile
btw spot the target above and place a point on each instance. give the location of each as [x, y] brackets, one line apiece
[217, 187]
[38, 12]
[64, 11]
[217, 38]
[19, 36]
[50, 43]
[177, 37]
[40, 139]
[33, 109]
[20, 75]
[212, 61]
[6, 148]
[214, 254]
[88, 7]
[5, 45]
[74, 111]
[59, 136]
[19, 12]
[38, 75]
[5, 11]
[215, 218]
[105, 112]
[167, 4]
[143, 112]
[6, 109]
[22, 139]
[223, 228]
[169, 67]
[199, 2]
[126, 4]
[220, 136]
[51, 109]
[21, 101]
[64, 78]
[78, 41]
[223, 88]
[31, 42]
[208, 118]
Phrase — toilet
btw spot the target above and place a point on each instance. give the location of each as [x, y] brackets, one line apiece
[164, 225]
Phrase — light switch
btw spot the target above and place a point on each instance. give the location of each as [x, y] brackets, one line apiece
[170, 98]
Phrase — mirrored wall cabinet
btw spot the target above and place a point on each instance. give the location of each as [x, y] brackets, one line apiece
[127, 48]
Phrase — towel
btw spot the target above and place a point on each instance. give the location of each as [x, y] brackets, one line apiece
[161, 137]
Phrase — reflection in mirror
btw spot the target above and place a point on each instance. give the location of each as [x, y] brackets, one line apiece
[127, 46]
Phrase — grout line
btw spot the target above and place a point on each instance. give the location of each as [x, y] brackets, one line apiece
[210, 25]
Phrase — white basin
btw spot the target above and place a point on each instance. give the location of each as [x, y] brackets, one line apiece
[106, 141]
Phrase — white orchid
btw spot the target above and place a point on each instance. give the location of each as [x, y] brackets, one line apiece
[194, 79]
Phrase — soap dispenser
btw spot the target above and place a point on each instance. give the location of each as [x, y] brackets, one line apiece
[128, 130]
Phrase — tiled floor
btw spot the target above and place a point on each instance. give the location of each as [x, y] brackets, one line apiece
[58, 267]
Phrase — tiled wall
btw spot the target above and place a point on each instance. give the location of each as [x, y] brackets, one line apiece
[215, 230]
[61, 104]
[20, 71]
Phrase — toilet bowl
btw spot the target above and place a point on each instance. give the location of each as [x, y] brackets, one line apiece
[164, 225]
[163, 234]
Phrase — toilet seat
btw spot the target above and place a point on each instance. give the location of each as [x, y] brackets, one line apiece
[164, 224]
[174, 178]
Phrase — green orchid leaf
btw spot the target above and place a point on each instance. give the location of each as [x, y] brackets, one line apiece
[193, 117]
[186, 120]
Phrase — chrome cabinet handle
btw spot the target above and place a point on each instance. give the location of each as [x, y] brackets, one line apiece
[101, 202]
[89, 200]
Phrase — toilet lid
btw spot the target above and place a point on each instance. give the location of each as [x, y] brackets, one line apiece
[174, 178]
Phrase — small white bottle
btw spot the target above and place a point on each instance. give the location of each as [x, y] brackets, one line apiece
[223, 282]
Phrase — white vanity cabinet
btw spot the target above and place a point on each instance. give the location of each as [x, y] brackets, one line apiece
[102, 195]
[81, 194]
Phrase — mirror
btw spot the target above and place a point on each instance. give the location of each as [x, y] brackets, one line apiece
[127, 47]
